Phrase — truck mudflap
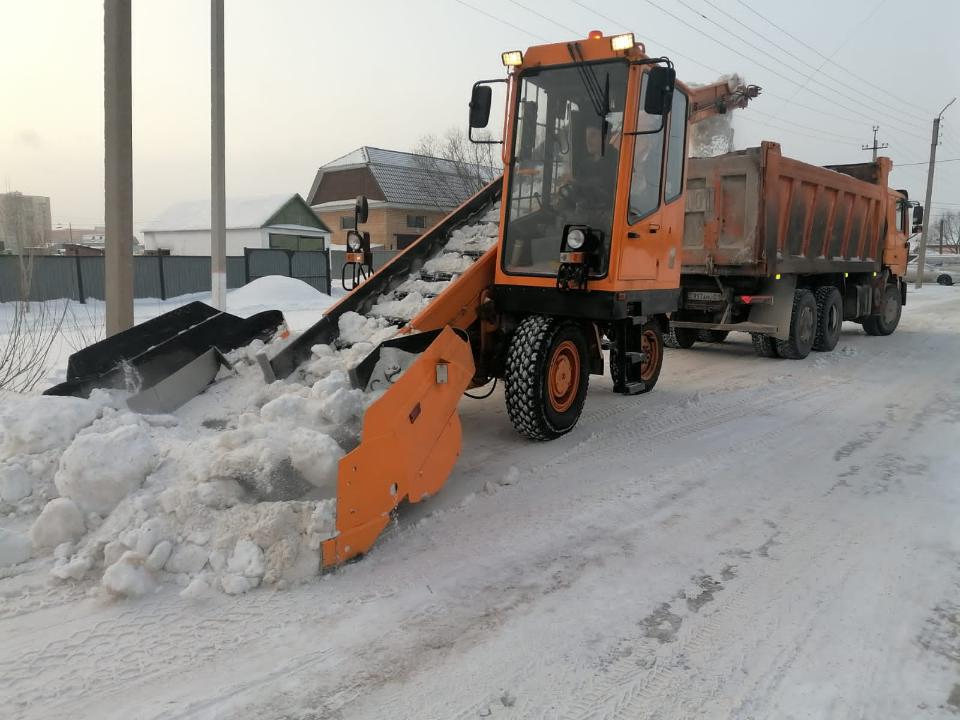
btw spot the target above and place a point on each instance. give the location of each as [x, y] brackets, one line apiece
[173, 356]
[411, 437]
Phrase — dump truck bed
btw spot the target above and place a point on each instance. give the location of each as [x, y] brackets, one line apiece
[755, 212]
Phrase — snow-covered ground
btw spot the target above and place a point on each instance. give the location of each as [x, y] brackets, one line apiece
[754, 539]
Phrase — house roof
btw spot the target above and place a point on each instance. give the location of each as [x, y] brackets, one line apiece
[249, 212]
[411, 179]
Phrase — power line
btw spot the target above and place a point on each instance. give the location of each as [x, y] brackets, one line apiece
[813, 49]
[926, 162]
[784, 50]
[502, 21]
[761, 65]
[669, 49]
[548, 19]
[748, 117]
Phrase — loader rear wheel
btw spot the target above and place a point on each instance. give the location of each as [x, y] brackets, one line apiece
[803, 327]
[829, 318]
[764, 345]
[651, 343]
[546, 377]
[712, 336]
[678, 337]
[886, 321]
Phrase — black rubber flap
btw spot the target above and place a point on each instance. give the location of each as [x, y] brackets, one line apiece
[135, 360]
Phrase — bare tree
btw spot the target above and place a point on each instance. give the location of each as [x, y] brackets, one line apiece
[28, 335]
[951, 231]
[473, 165]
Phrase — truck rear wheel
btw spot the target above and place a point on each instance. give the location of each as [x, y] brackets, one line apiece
[546, 377]
[885, 321]
[682, 338]
[764, 345]
[712, 336]
[803, 327]
[829, 318]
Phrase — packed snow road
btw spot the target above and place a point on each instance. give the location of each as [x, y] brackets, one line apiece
[755, 539]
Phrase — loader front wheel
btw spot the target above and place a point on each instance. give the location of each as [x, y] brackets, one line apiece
[546, 377]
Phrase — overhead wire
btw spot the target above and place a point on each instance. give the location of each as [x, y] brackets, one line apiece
[814, 50]
[801, 86]
[501, 20]
[782, 62]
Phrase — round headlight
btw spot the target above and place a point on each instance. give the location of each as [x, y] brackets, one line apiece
[353, 243]
[575, 239]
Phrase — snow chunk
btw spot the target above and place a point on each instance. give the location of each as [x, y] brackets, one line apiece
[15, 483]
[61, 521]
[354, 328]
[98, 486]
[197, 589]
[246, 560]
[449, 263]
[237, 584]
[14, 548]
[187, 558]
[404, 309]
[159, 556]
[42, 423]
[128, 577]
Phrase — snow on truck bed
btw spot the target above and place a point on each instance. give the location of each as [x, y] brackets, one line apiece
[233, 490]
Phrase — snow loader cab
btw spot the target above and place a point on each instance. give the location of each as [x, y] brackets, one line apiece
[358, 265]
[594, 149]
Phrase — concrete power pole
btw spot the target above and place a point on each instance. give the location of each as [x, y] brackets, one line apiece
[118, 166]
[934, 141]
[218, 180]
[874, 147]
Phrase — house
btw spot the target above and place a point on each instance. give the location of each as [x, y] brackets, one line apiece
[407, 193]
[276, 221]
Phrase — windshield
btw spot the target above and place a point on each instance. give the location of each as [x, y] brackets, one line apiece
[564, 167]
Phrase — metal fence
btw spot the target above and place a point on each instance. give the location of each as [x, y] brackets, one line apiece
[310, 266]
[45, 277]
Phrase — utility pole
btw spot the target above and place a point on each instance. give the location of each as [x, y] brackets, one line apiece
[934, 141]
[941, 236]
[118, 166]
[218, 180]
[875, 147]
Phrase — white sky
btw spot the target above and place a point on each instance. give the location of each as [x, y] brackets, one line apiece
[310, 80]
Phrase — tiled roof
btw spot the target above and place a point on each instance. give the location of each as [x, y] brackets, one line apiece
[411, 179]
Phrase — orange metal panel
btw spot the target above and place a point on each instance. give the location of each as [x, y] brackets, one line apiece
[410, 441]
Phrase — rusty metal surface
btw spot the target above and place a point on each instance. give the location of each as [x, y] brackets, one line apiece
[755, 212]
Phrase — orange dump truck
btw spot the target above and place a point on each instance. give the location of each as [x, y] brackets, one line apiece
[787, 251]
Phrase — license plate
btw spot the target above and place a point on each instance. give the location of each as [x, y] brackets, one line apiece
[705, 296]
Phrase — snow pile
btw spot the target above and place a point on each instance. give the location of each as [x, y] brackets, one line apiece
[274, 290]
[234, 490]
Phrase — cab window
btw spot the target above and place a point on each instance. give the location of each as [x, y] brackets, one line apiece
[647, 162]
[673, 185]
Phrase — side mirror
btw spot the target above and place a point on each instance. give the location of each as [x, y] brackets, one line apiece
[480, 101]
[917, 218]
[361, 211]
[659, 94]
[528, 129]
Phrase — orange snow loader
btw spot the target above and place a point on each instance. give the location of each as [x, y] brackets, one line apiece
[585, 258]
